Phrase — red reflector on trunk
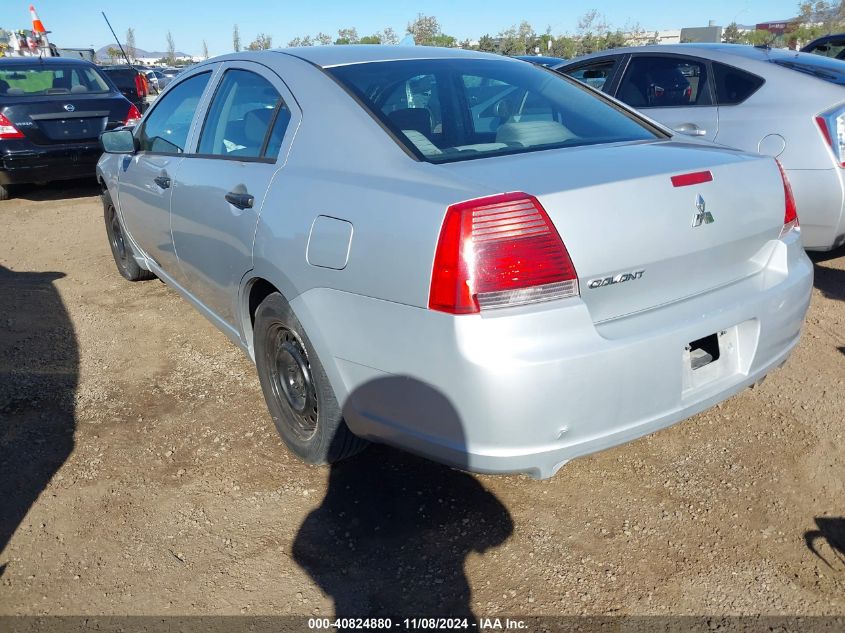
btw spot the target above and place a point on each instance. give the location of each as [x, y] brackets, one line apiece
[693, 178]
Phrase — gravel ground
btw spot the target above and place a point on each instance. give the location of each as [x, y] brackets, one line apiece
[141, 474]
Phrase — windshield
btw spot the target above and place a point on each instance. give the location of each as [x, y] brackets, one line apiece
[826, 68]
[39, 79]
[444, 110]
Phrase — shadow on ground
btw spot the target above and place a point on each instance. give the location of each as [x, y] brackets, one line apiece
[393, 533]
[832, 531]
[831, 281]
[39, 368]
[58, 190]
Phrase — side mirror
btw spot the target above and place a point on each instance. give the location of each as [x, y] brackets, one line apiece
[118, 142]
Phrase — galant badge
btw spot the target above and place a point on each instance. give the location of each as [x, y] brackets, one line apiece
[702, 216]
[70, 107]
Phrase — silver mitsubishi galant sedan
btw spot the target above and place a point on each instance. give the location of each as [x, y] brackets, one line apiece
[459, 254]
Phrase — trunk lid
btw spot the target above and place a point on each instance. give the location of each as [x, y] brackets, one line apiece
[65, 119]
[630, 231]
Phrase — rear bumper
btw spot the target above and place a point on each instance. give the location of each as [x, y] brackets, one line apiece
[41, 163]
[526, 390]
[820, 196]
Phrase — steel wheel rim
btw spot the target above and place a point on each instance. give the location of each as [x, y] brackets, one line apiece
[292, 382]
[117, 241]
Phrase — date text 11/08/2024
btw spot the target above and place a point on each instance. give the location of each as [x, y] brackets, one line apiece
[429, 624]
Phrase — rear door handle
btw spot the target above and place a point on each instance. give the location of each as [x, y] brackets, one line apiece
[240, 200]
[162, 181]
[690, 129]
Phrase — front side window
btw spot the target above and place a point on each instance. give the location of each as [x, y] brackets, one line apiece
[42, 79]
[166, 128]
[595, 75]
[442, 110]
[245, 108]
[664, 82]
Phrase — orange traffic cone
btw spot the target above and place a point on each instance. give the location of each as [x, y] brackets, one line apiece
[37, 25]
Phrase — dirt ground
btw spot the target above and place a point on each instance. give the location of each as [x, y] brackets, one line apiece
[140, 474]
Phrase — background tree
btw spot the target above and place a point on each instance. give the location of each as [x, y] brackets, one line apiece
[388, 36]
[171, 49]
[565, 47]
[236, 38]
[732, 34]
[487, 44]
[592, 30]
[113, 53]
[130, 44]
[204, 49]
[758, 37]
[297, 41]
[324, 39]
[424, 29]
[261, 43]
[370, 39]
[347, 36]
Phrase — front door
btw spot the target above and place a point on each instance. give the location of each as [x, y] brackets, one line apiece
[674, 90]
[146, 177]
[219, 190]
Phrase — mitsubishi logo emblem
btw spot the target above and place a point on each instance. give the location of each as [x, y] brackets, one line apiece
[702, 216]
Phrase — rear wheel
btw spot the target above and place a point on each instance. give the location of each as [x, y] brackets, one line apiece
[121, 250]
[298, 394]
[4, 192]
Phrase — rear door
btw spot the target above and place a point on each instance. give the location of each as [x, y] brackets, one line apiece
[674, 90]
[146, 177]
[219, 190]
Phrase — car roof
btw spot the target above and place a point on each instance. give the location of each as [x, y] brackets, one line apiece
[47, 61]
[327, 56]
[727, 53]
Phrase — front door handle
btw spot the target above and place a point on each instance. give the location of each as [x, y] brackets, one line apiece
[162, 181]
[240, 200]
[690, 129]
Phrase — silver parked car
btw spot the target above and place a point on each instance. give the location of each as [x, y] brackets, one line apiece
[456, 253]
[776, 102]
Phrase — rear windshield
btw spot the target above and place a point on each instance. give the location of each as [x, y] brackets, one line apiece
[444, 110]
[40, 79]
[826, 68]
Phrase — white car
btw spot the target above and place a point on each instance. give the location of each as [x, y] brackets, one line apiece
[776, 102]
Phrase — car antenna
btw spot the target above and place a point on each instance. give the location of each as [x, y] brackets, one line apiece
[117, 40]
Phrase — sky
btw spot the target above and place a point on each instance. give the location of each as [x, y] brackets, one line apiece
[78, 23]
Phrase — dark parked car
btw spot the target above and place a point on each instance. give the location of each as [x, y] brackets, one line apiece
[132, 83]
[52, 112]
[829, 46]
[541, 60]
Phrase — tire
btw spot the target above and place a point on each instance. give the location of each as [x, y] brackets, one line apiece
[121, 250]
[303, 406]
[5, 194]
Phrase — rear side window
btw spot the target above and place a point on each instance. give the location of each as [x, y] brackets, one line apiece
[595, 75]
[734, 85]
[664, 82]
[166, 128]
[245, 108]
[443, 110]
[40, 79]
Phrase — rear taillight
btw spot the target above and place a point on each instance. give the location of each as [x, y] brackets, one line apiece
[498, 252]
[140, 85]
[832, 126]
[790, 214]
[7, 130]
[133, 116]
